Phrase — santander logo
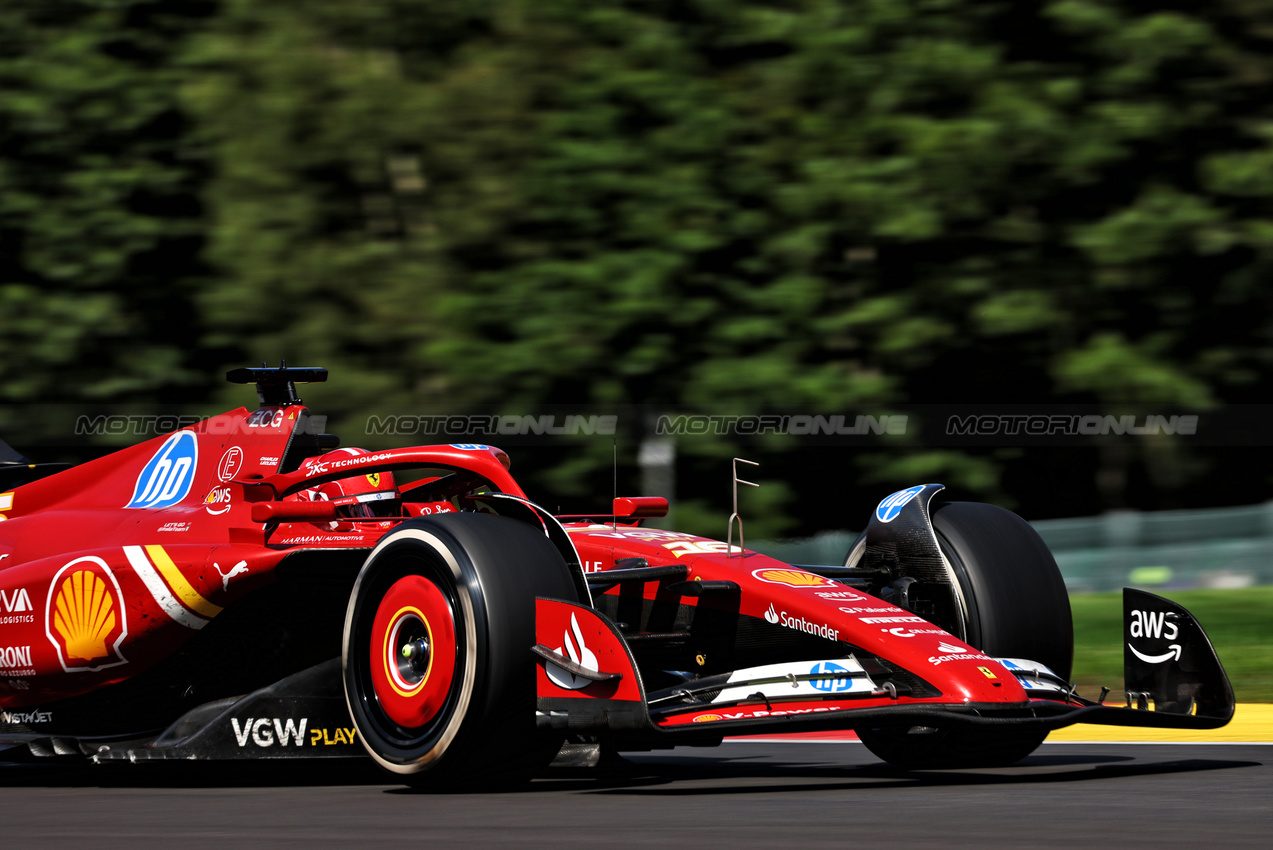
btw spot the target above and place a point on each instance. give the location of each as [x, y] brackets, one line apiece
[583, 656]
[955, 652]
[772, 614]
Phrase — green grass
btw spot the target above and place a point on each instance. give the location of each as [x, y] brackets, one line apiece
[1239, 623]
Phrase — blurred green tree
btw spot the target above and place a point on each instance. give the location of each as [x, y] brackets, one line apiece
[727, 204]
[100, 220]
[724, 204]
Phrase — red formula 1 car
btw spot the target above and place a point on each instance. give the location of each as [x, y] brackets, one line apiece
[244, 589]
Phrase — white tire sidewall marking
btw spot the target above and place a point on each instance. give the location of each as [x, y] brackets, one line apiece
[470, 649]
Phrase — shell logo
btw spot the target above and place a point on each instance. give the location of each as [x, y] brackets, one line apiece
[793, 578]
[84, 618]
[706, 718]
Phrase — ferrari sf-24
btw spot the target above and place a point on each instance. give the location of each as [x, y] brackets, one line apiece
[244, 588]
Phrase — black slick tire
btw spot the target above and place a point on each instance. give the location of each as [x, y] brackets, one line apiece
[463, 586]
[1016, 606]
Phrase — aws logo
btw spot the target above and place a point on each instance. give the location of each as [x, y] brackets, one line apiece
[1153, 624]
[218, 500]
[166, 479]
[84, 616]
[1158, 625]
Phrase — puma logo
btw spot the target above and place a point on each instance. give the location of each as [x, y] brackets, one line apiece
[237, 569]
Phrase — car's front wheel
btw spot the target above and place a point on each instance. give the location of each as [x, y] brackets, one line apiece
[1015, 606]
[437, 671]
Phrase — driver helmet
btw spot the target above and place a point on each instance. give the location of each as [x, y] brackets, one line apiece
[360, 496]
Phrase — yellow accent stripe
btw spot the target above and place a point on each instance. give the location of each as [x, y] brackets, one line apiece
[1251, 722]
[179, 585]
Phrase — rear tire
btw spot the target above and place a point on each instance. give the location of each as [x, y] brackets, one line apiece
[459, 591]
[1016, 606]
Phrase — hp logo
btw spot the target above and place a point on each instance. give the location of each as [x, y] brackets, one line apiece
[842, 681]
[166, 479]
[888, 509]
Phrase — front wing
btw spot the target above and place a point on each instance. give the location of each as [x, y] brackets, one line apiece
[588, 682]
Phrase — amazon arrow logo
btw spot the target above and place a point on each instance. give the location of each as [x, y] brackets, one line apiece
[1173, 652]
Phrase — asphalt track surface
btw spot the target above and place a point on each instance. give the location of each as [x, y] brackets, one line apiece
[793, 795]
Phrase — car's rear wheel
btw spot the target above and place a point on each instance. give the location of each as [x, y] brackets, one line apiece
[438, 677]
[1015, 606]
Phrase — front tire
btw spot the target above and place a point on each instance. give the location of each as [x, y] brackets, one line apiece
[928, 748]
[437, 673]
[1015, 606]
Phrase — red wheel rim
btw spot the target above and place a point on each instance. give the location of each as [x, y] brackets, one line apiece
[413, 651]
